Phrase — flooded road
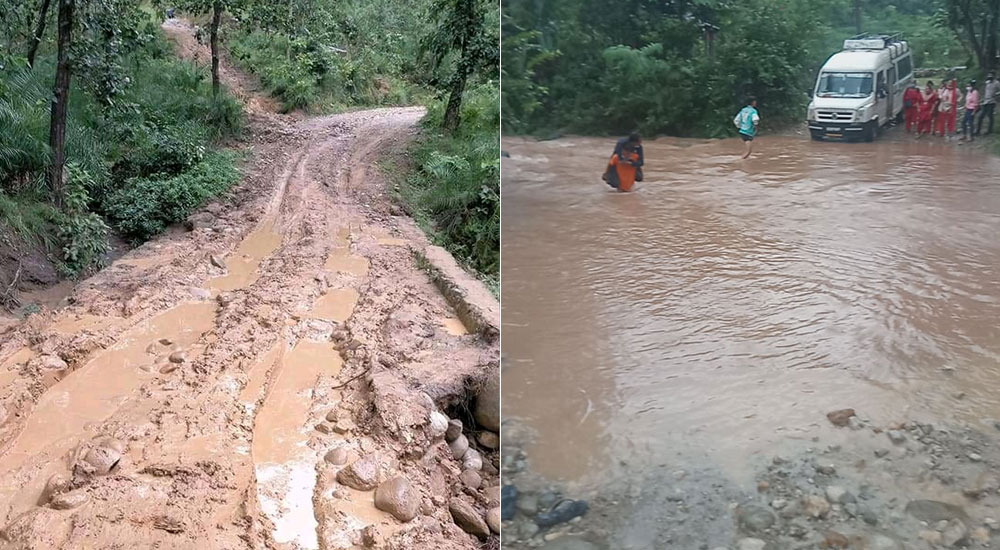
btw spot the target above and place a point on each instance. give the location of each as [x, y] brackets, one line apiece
[723, 309]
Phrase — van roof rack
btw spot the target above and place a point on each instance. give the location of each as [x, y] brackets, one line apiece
[869, 41]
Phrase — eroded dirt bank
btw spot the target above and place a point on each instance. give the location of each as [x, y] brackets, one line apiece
[279, 375]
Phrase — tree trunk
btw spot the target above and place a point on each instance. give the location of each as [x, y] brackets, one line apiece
[39, 31]
[60, 97]
[453, 110]
[216, 18]
[857, 16]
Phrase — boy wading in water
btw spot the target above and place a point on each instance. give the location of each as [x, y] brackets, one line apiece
[624, 168]
[746, 121]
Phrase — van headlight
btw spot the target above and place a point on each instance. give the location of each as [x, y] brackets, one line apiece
[864, 113]
[812, 113]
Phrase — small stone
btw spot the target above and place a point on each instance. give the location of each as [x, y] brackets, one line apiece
[56, 484]
[472, 460]
[454, 430]
[398, 498]
[840, 418]
[527, 504]
[493, 519]
[955, 533]
[324, 427]
[168, 368]
[879, 453]
[835, 493]
[466, 517]
[70, 500]
[975, 457]
[492, 495]
[103, 458]
[224, 299]
[855, 424]
[51, 362]
[337, 457]
[459, 446]
[779, 503]
[331, 416]
[489, 440]
[826, 469]
[815, 506]
[177, 357]
[834, 539]
[217, 261]
[930, 536]
[763, 486]
[750, 544]
[933, 510]
[896, 437]
[362, 475]
[437, 424]
[980, 534]
[471, 479]
[166, 342]
[343, 426]
[754, 518]
[508, 502]
[370, 537]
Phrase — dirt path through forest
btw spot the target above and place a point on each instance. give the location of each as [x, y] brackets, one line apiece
[251, 380]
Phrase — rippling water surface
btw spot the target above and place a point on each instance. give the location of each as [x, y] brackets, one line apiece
[727, 305]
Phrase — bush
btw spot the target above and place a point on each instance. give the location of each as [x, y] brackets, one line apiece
[84, 234]
[454, 191]
[145, 206]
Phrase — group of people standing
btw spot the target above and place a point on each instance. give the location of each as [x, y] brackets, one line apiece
[935, 111]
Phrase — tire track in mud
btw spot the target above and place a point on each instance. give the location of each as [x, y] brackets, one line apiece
[321, 334]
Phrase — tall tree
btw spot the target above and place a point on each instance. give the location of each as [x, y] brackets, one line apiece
[43, 13]
[977, 22]
[60, 100]
[217, 8]
[461, 34]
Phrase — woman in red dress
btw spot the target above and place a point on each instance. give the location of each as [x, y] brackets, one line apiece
[928, 110]
[911, 106]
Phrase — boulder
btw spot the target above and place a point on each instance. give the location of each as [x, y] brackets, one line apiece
[841, 417]
[493, 519]
[466, 517]
[362, 474]
[453, 431]
[398, 498]
[487, 410]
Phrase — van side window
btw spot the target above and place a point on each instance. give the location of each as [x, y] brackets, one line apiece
[905, 67]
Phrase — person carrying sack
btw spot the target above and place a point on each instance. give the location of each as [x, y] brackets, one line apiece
[623, 166]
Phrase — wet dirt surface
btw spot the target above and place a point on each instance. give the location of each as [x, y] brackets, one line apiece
[183, 397]
[710, 320]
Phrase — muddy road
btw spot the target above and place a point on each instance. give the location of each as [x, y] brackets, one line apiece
[708, 323]
[279, 374]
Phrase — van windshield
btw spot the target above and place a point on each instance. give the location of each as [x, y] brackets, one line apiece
[844, 85]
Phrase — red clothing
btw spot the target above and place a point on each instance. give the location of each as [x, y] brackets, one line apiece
[625, 170]
[928, 109]
[911, 107]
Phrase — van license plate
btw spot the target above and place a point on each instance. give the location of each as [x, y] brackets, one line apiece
[833, 130]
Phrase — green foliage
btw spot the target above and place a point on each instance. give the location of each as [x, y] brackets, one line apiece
[574, 65]
[454, 190]
[145, 206]
[24, 125]
[32, 219]
[84, 234]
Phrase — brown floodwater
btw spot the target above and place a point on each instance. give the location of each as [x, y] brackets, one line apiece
[725, 306]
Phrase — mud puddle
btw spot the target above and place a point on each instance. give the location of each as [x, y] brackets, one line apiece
[284, 464]
[336, 305]
[66, 413]
[241, 265]
[454, 326]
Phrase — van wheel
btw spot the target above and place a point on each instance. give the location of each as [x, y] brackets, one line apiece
[871, 132]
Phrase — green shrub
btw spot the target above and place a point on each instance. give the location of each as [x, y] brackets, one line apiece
[145, 206]
[454, 191]
[84, 234]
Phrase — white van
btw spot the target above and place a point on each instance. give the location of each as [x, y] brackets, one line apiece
[860, 89]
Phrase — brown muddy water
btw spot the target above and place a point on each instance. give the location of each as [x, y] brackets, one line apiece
[722, 309]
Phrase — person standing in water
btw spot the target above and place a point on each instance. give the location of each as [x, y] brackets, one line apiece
[971, 106]
[949, 97]
[636, 141]
[746, 122]
[928, 110]
[624, 164]
[911, 106]
[990, 96]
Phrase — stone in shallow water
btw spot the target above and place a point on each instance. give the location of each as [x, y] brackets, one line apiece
[754, 518]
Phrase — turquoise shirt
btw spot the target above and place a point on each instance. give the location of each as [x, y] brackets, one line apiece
[745, 120]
